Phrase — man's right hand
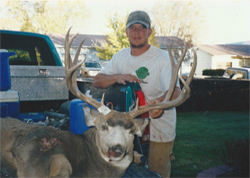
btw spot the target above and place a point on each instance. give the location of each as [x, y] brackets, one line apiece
[104, 81]
[123, 78]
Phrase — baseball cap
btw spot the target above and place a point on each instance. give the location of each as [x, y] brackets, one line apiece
[140, 17]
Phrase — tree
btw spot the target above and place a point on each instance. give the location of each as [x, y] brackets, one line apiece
[117, 38]
[178, 18]
[47, 16]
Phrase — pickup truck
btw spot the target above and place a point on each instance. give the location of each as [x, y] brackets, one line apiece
[37, 74]
[237, 73]
[36, 70]
[31, 48]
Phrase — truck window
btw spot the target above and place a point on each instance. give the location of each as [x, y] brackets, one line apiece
[29, 50]
[229, 73]
[243, 73]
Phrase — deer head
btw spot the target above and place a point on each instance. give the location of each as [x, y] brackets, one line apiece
[115, 130]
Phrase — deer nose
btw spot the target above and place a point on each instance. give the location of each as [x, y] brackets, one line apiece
[118, 149]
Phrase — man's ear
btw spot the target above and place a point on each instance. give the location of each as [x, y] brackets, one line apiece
[127, 32]
[140, 125]
[90, 116]
[149, 32]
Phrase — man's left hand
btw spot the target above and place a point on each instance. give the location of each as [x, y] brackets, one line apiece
[157, 112]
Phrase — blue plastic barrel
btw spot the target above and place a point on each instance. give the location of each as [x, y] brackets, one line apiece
[5, 70]
[77, 117]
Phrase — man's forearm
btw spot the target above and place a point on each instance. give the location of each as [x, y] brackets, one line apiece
[175, 95]
[104, 81]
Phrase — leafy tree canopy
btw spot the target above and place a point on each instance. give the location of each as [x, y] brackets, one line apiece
[47, 16]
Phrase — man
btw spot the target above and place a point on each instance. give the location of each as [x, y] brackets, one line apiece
[128, 65]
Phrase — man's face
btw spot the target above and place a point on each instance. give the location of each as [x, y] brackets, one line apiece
[138, 35]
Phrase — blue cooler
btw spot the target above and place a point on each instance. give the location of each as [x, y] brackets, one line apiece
[9, 104]
[5, 70]
[77, 116]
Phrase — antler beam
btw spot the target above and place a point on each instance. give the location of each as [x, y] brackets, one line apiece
[70, 68]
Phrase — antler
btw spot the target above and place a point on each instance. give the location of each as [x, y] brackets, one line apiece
[185, 92]
[70, 68]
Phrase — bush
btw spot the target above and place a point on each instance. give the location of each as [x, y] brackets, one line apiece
[236, 155]
[213, 72]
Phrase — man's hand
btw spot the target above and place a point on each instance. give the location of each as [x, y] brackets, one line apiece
[157, 112]
[122, 78]
[105, 81]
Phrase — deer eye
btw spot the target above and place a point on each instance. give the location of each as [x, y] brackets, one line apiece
[104, 127]
[132, 131]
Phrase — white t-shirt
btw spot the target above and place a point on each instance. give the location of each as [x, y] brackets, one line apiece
[155, 66]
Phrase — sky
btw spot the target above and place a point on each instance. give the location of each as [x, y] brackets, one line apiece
[226, 21]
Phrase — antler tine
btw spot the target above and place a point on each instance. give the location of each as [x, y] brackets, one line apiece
[74, 82]
[68, 63]
[70, 69]
[67, 36]
[185, 92]
[78, 52]
[175, 69]
[191, 75]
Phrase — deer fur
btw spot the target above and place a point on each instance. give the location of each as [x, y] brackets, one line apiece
[41, 151]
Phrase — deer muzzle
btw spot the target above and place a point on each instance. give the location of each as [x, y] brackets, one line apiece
[115, 151]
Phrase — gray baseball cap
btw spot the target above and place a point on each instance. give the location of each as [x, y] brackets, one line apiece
[140, 17]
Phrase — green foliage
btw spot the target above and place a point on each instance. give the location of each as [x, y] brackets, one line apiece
[20, 55]
[213, 72]
[47, 16]
[117, 38]
[236, 155]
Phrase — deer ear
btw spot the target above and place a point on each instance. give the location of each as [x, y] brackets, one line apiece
[90, 116]
[140, 125]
